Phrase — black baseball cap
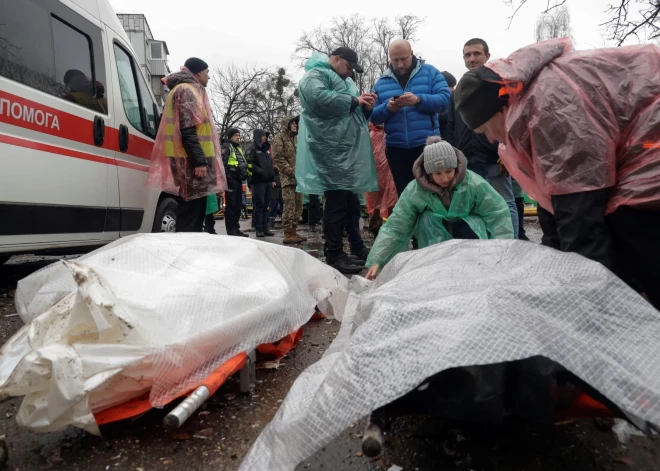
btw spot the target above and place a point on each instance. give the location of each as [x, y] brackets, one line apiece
[350, 55]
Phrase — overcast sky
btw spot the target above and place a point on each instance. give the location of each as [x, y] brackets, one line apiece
[264, 32]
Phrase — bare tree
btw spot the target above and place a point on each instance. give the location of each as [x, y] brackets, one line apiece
[369, 38]
[274, 97]
[553, 24]
[247, 98]
[643, 23]
[623, 25]
[230, 94]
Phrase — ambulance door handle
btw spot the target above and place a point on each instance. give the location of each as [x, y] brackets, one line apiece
[123, 138]
[99, 131]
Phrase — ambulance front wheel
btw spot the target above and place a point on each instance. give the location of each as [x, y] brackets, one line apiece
[165, 219]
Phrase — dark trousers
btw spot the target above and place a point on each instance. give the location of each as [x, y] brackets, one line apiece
[353, 225]
[190, 215]
[401, 163]
[209, 223]
[276, 207]
[233, 205]
[461, 230]
[338, 205]
[314, 210]
[520, 204]
[260, 197]
[635, 234]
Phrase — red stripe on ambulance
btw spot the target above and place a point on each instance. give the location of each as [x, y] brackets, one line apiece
[28, 114]
[17, 141]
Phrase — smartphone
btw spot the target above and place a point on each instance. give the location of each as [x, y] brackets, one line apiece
[396, 97]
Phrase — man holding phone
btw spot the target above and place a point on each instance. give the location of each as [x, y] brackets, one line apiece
[411, 96]
[334, 156]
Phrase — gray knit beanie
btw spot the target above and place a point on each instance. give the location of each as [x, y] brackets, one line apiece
[438, 155]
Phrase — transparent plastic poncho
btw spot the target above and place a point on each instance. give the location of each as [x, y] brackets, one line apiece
[582, 121]
[187, 105]
[334, 147]
[386, 197]
[420, 212]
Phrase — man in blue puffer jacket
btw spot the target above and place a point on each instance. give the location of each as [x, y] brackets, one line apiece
[411, 96]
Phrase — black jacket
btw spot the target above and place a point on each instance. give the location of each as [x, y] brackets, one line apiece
[259, 157]
[240, 172]
[475, 146]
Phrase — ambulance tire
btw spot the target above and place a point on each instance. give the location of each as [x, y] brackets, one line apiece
[165, 219]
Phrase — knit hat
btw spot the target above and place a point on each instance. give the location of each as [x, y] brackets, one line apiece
[477, 100]
[451, 80]
[196, 65]
[231, 131]
[438, 155]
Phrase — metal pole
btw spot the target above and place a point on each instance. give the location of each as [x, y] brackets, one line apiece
[188, 406]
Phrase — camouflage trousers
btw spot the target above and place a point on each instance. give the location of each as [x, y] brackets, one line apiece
[293, 206]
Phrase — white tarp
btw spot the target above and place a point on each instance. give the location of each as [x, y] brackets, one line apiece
[154, 312]
[463, 303]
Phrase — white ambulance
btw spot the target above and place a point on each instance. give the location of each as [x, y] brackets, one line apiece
[77, 126]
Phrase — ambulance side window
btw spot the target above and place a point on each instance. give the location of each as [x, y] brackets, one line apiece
[49, 47]
[129, 93]
[135, 96]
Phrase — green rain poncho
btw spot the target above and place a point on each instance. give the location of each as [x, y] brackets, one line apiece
[334, 147]
[421, 211]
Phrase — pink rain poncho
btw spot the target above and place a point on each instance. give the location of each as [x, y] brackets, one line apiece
[386, 197]
[583, 120]
[187, 105]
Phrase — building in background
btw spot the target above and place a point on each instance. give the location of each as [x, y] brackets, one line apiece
[151, 52]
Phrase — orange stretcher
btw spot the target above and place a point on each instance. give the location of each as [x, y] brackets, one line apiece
[141, 404]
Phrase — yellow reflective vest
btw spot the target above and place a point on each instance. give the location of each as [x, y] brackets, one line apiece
[204, 134]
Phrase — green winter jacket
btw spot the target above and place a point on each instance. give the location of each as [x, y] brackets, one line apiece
[423, 208]
[334, 147]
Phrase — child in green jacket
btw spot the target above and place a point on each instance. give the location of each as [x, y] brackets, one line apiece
[445, 201]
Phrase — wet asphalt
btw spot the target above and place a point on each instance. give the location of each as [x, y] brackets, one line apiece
[219, 435]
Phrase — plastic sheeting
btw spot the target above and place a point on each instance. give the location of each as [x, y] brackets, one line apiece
[583, 120]
[334, 148]
[386, 197]
[175, 175]
[151, 312]
[463, 303]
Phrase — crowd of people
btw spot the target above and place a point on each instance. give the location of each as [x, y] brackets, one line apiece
[577, 131]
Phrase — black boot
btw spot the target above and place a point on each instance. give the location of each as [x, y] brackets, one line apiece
[361, 253]
[345, 265]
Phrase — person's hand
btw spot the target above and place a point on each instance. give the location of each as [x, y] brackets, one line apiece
[274, 184]
[373, 271]
[201, 172]
[366, 100]
[407, 99]
[393, 105]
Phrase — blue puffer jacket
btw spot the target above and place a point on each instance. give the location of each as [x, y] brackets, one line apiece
[410, 126]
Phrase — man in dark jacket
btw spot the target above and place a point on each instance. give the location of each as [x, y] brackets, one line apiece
[581, 132]
[482, 155]
[411, 95]
[444, 116]
[236, 169]
[263, 179]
